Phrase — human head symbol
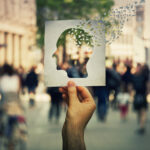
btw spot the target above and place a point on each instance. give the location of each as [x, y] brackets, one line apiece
[74, 49]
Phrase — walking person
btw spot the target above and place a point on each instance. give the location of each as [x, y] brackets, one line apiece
[140, 80]
[10, 86]
[31, 83]
[123, 98]
[101, 94]
[16, 129]
[113, 80]
[56, 101]
[2, 127]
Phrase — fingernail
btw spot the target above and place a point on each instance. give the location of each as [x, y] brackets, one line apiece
[71, 84]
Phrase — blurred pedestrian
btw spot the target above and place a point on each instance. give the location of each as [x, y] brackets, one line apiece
[72, 70]
[101, 94]
[3, 122]
[113, 80]
[56, 101]
[31, 83]
[16, 129]
[123, 98]
[140, 80]
[22, 76]
[9, 83]
[127, 76]
[10, 86]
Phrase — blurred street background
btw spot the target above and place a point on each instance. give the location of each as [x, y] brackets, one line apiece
[32, 115]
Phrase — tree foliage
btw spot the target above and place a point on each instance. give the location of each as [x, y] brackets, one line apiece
[68, 9]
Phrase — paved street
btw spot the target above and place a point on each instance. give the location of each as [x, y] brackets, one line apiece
[112, 135]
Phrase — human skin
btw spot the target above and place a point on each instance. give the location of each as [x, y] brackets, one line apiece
[80, 109]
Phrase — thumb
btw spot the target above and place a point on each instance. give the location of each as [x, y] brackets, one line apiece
[72, 92]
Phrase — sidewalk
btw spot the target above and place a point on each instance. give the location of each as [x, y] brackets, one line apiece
[112, 135]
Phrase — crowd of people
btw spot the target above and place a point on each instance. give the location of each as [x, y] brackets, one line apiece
[127, 83]
[130, 84]
[13, 129]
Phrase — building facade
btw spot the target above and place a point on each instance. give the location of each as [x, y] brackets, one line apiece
[132, 43]
[17, 31]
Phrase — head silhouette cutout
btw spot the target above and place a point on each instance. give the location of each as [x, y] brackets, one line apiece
[74, 49]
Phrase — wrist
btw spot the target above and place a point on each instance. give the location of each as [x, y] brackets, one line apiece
[73, 138]
[72, 128]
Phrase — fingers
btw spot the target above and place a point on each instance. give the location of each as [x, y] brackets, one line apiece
[72, 92]
[65, 98]
[85, 94]
[63, 90]
[69, 93]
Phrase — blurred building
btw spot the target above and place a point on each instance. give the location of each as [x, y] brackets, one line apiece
[147, 32]
[17, 31]
[134, 41]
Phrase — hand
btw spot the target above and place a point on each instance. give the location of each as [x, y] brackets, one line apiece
[80, 105]
[80, 109]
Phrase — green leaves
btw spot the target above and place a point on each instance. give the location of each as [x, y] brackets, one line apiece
[79, 35]
[68, 9]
